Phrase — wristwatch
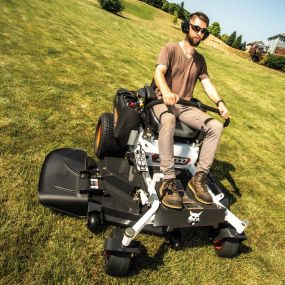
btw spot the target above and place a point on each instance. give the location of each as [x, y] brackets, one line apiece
[219, 101]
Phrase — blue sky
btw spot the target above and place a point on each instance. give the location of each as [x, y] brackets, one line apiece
[253, 19]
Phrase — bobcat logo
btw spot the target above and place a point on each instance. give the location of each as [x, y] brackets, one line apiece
[177, 159]
[194, 218]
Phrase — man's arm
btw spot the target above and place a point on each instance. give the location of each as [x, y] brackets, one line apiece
[212, 93]
[169, 98]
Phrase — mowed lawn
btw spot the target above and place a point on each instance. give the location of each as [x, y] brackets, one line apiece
[61, 62]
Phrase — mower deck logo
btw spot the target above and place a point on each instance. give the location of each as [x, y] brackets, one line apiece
[177, 160]
[194, 218]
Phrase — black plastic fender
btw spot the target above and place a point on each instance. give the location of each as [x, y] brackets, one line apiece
[115, 245]
[229, 233]
[60, 182]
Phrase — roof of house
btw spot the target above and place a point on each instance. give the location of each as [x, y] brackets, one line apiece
[277, 36]
[257, 43]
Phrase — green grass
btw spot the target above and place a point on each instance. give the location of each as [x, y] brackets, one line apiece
[60, 65]
[140, 10]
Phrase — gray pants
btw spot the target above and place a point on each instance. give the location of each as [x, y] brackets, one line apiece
[194, 118]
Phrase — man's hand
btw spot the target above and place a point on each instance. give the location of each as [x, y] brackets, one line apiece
[170, 98]
[223, 111]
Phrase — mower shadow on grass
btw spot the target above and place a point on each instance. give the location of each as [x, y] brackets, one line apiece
[190, 239]
[244, 249]
[222, 170]
[148, 262]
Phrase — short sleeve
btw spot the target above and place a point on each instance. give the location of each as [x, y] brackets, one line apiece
[203, 70]
[164, 56]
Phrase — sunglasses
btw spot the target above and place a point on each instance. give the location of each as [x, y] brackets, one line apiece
[198, 29]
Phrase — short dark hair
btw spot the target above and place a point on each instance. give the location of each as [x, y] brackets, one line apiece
[201, 16]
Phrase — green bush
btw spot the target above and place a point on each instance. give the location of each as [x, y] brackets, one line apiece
[263, 60]
[225, 38]
[114, 6]
[276, 62]
[215, 29]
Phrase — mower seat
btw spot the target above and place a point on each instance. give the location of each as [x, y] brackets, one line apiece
[181, 130]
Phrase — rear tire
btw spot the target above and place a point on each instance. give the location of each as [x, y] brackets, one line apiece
[104, 140]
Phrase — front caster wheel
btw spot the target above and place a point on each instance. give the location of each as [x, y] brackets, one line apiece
[118, 256]
[117, 264]
[227, 248]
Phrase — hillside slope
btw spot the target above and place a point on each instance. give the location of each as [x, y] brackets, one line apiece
[61, 62]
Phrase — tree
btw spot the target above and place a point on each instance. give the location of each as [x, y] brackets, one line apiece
[165, 6]
[175, 18]
[225, 38]
[215, 29]
[114, 6]
[186, 14]
[156, 3]
[180, 10]
[172, 7]
[231, 38]
[243, 46]
[237, 42]
[182, 13]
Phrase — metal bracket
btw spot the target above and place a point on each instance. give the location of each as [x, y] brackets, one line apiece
[230, 217]
[147, 218]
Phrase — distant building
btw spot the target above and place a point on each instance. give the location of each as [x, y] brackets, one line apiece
[259, 44]
[277, 44]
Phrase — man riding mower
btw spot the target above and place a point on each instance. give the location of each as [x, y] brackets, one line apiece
[122, 187]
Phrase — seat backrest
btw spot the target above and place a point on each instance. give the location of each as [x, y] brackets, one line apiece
[148, 93]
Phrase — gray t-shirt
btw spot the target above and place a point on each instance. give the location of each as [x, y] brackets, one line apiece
[182, 72]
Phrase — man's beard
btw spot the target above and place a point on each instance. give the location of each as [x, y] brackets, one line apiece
[192, 42]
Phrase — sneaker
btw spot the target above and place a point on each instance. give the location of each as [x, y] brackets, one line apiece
[169, 194]
[198, 186]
